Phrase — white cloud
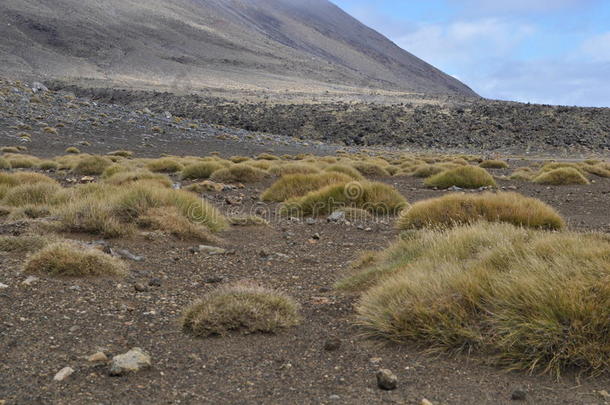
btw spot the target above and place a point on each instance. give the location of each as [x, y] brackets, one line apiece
[597, 48]
[518, 6]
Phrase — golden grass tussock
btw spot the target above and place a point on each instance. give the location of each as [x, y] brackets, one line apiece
[267, 156]
[239, 173]
[523, 174]
[345, 169]
[201, 171]
[599, 169]
[459, 208]
[21, 178]
[121, 177]
[293, 168]
[48, 165]
[371, 169]
[31, 194]
[463, 177]
[493, 164]
[562, 176]
[164, 165]
[22, 161]
[92, 165]
[72, 149]
[5, 164]
[527, 300]
[374, 197]
[297, 185]
[171, 220]
[24, 243]
[121, 153]
[70, 260]
[243, 308]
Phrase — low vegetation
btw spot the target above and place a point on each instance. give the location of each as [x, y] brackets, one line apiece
[244, 307]
[493, 164]
[164, 165]
[463, 177]
[92, 165]
[460, 208]
[65, 259]
[200, 171]
[239, 173]
[297, 185]
[562, 176]
[528, 300]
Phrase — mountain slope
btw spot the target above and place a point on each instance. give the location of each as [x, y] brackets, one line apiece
[258, 44]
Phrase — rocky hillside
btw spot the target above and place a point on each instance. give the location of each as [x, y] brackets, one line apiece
[225, 44]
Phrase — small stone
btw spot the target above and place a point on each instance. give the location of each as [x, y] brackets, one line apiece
[316, 236]
[214, 280]
[140, 287]
[2, 286]
[155, 282]
[333, 397]
[98, 357]
[30, 280]
[74, 328]
[425, 402]
[332, 344]
[212, 250]
[63, 374]
[336, 216]
[264, 253]
[518, 395]
[386, 380]
[310, 221]
[130, 362]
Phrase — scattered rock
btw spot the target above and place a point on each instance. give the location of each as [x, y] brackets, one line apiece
[130, 362]
[425, 402]
[336, 216]
[264, 253]
[604, 394]
[518, 395]
[386, 380]
[332, 344]
[2, 286]
[98, 357]
[155, 282]
[310, 221]
[211, 250]
[316, 236]
[333, 397]
[140, 287]
[63, 374]
[214, 280]
[39, 87]
[126, 254]
[30, 280]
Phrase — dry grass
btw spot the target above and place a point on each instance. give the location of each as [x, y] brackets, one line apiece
[248, 220]
[298, 185]
[121, 153]
[5, 164]
[345, 169]
[239, 173]
[20, 178]
[121, 177]
[245, 308]
[377, 198]
[460, 208]
[463, 177]
[293, 168]
[71, 260]
[72, 149]
[24, 243]
[92, 165]
[31, 194]
[528, 300]
[371, 169]
[171, 220]
[562, 176]
[164, 165]
[201, 171]
[22, 162]
[267, 156]
[523, 174]
[494, 164]
[48, 165]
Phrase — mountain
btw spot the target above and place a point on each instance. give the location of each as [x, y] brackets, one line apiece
[300, 45]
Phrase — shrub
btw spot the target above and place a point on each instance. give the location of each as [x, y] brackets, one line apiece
[245, 308]
[528, 300]
[463, 177]
[493, 164]
[347, 170]
[92, 165]
[164, 165]
[201, 171]
[70, 260]
[373, 197]
[460, 208]
[297, 185]
[239, 173]
[72, 149]
[561, 177]
[370, 169]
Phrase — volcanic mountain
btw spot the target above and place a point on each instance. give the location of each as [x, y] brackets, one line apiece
[297, 45]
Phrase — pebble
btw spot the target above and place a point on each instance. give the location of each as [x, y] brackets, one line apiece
[425, 402]
[211, 250]
[63, 374]
[310, 221]
[386, 380]
[140, 287]
[30, 280]
[333, 397]
[98, 357]
[518, 395]
[2, 286]
[132, 361]
[155, 282]
[332, 344]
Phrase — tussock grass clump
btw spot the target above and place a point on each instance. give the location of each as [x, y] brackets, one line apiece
[23, 243]
[493, 164]
[377, 198]
[463, 177]
[201, 171]
[426, 170]
[22, 162]
[460, 208]
[121, 153]
[523, 174]
[64, 259]
[599, 169]
[239, 173]
[92, 165]
[72, 149]
[20, 178]
[114, 169]
[48, 165]
[562, 176]
[297, 185]
[239, 159]
[31, 194]
[347, 170]
[10, 149]
[171, 220]
[293, 168]
[121, 177]
[267, 156]
[371, 169]
[244, 307]
[528, 300]
[164, 165]
[5, 164]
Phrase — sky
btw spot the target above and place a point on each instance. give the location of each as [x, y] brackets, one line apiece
[538, 51]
